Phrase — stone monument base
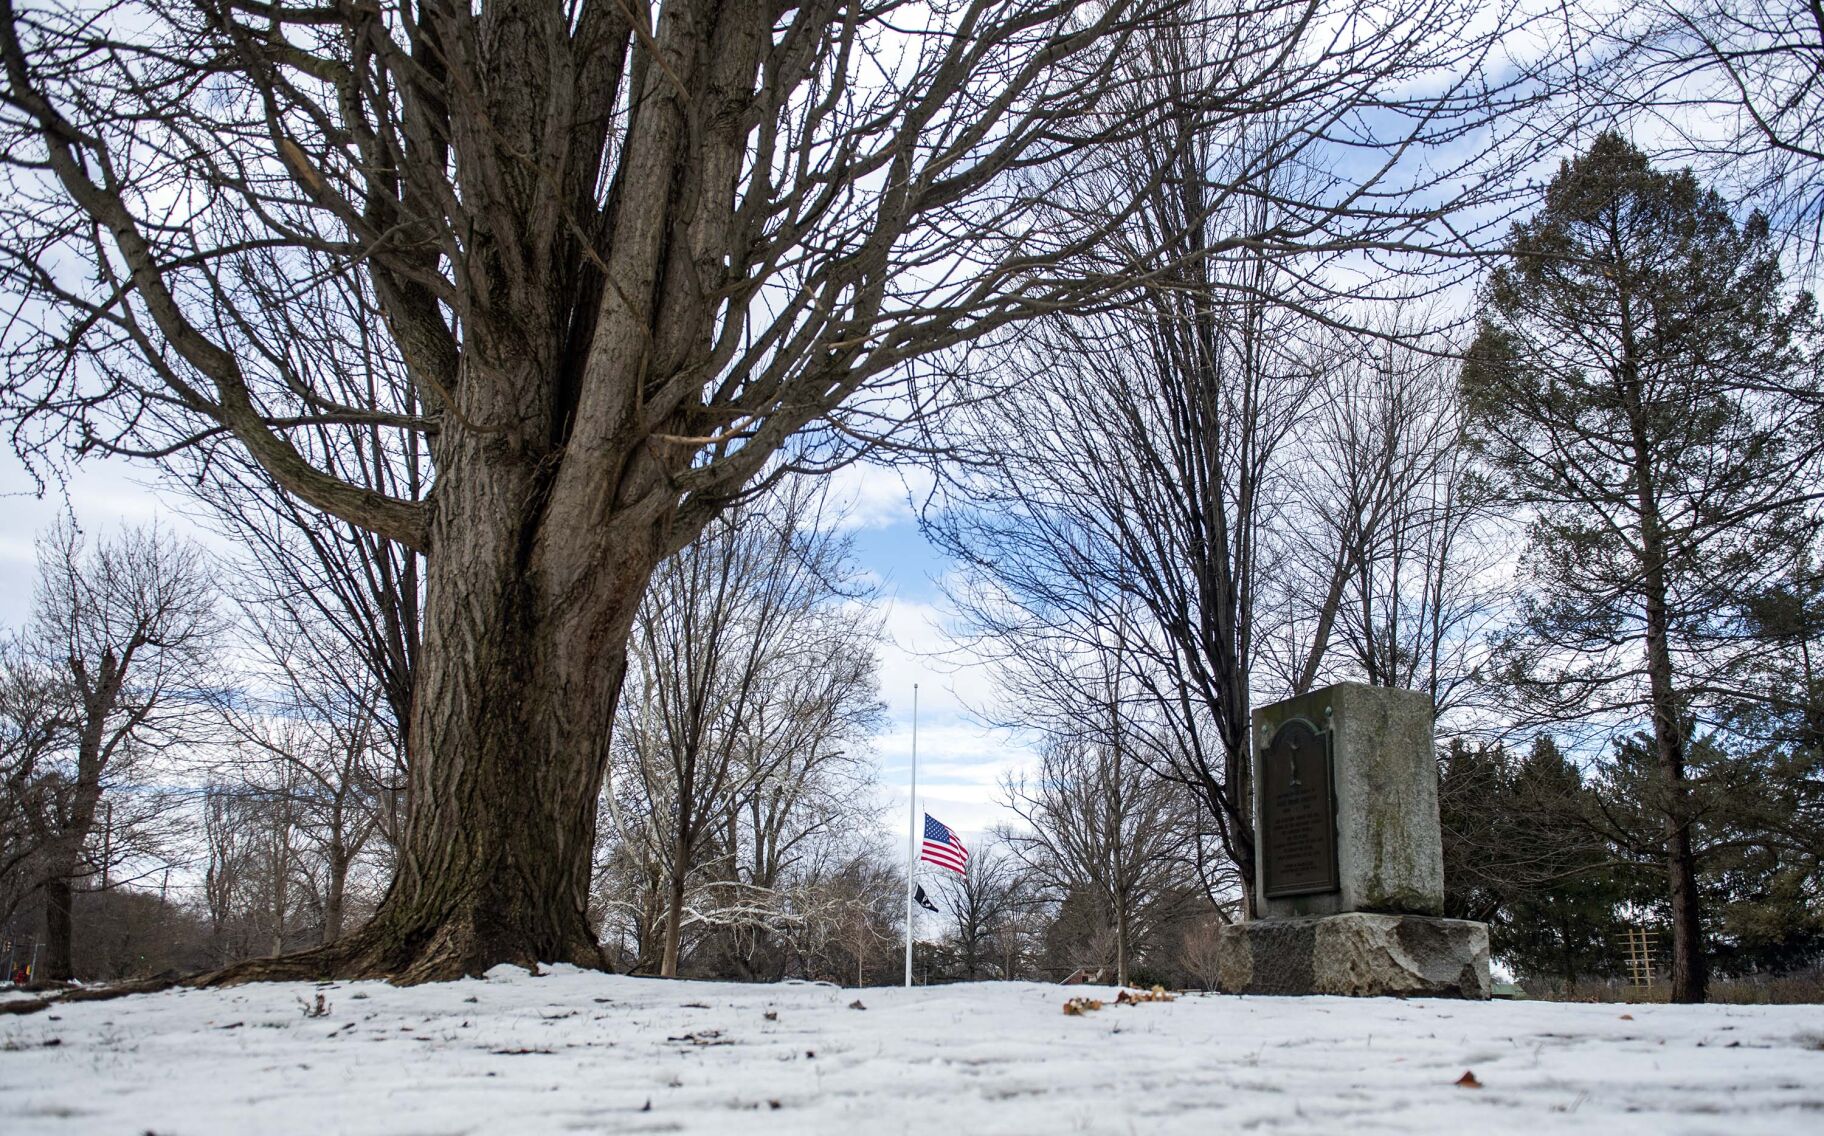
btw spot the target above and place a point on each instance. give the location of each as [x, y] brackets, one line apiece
[1357, 954]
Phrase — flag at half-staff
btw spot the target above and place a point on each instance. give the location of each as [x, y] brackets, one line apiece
[942, 848]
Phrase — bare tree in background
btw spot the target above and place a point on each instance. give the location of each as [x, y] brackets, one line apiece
[131, 625]
[625, 253]
[1098, 822]
[1124, 470]
[320, 755]
[978, 907]
[1124, 515]
[255, 878]
[1385, 556]
[753, 685]
[1735, 85]
[35, 732]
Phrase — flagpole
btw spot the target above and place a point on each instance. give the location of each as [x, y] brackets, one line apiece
[911, 835]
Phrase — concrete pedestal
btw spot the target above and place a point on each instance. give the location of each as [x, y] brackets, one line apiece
[1356, 954]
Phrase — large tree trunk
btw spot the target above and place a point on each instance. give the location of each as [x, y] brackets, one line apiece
[525, 641]
[1690, 970]
[335, 892]
[58, 963]
[674, 904]
[557, 495]
[525, 649]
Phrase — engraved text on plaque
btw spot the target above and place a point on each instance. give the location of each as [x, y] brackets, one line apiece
[1297, 813]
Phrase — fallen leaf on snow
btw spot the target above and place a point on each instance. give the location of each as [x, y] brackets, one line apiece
[703, 1037]
[1135, 997]
[1468, 1081]
[1079, 1006]
[856, 1005]
[1627, 1017]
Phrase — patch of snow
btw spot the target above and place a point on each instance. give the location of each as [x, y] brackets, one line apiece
[571, 1051]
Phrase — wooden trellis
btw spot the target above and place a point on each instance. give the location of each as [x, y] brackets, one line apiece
[1640, 955]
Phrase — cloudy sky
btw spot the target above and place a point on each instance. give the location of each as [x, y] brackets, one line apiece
[959, 762]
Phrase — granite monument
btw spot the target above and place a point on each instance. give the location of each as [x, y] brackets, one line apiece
[1349, 860]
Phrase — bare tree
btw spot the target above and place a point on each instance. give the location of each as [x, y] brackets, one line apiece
[863, 917]
[35, 733]
[131, 624]
[1100, 823]
[979, 905]
[754, 682]
[1126, 469]
[1386, 556]
[256, 879]
[324, 764]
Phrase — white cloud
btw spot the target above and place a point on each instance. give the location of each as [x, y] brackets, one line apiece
[104, 496]
[960, 762]
[877, 496]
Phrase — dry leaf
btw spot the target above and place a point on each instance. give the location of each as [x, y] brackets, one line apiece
[1468, 1081]
[1135, 997]
[1627, 1017]
[1078, 1006]
[703, 1037]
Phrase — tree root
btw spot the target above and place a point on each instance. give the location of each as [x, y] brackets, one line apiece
[150, 985]
[25, 1005]
[373, 954]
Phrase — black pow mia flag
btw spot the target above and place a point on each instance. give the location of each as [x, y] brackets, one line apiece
[924, 900]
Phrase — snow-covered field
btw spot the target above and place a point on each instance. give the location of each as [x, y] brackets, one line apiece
[576, 1052]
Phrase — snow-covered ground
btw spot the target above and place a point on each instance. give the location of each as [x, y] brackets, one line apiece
[575, 1052]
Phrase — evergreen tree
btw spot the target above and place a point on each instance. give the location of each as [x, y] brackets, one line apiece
[1632, 388]
[1521, 854]
[1770, 862]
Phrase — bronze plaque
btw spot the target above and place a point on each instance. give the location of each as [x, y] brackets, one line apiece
[1297, 813]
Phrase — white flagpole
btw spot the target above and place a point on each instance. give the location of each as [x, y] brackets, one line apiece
[911, 835]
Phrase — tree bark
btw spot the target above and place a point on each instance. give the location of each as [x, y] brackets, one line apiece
[510, 744]
[1690, 977]
[525, 643]
[98, 703]
[335, 893]
[58, 940]
[1690, 970]
[674, 906]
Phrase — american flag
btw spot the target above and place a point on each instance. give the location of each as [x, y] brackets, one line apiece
[942, 848]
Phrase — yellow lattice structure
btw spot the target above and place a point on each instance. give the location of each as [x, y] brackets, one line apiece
[1640, 956]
